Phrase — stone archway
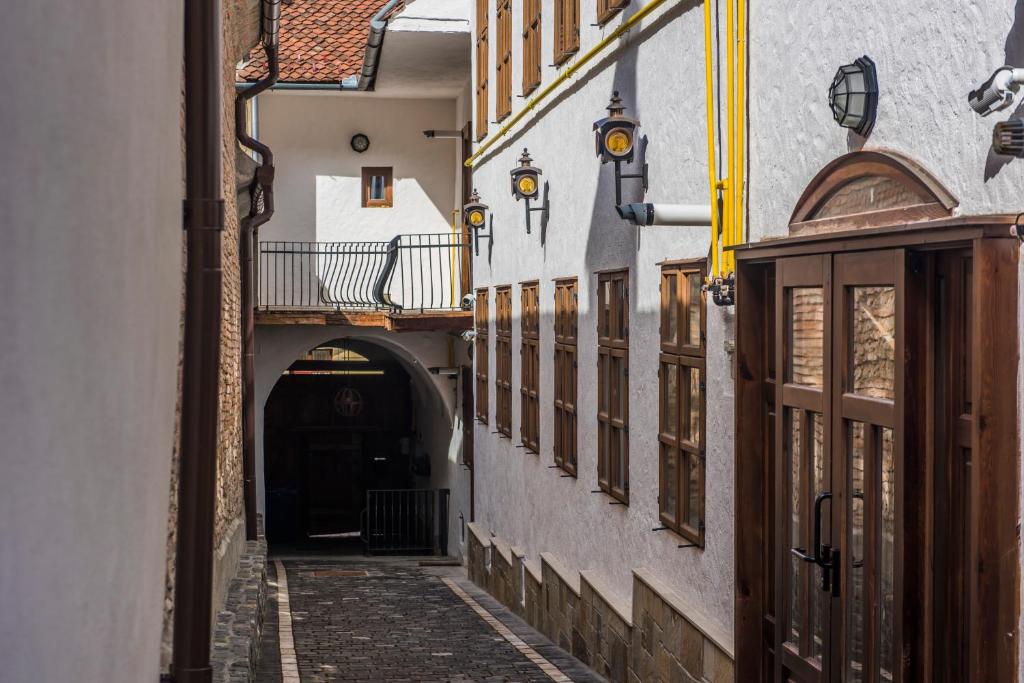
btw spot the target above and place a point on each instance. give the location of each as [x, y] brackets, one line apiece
[436, 430]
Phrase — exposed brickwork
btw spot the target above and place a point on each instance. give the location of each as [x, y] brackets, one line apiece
[240, 25]
[658, 640]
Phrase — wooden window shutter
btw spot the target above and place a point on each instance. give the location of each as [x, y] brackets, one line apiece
[482, 69]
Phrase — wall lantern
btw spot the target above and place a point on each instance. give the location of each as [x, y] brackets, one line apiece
[526, 185]
[853, 96]
[359, 143]
[475, 215]
[615, 141]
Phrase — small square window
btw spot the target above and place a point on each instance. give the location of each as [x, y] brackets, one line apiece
[377, 187]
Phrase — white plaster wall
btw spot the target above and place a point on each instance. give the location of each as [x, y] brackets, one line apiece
[90, 194]
[435, 399]
[317, 188]
[928, 59]
[518, 496]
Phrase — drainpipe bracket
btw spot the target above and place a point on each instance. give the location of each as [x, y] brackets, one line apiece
[203, 214]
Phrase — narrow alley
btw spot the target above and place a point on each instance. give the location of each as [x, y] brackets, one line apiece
[366, 619]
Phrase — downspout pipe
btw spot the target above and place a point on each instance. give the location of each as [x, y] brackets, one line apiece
[203, 224]
[261, 209]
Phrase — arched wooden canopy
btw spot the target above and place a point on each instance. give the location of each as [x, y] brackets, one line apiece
[870, 188]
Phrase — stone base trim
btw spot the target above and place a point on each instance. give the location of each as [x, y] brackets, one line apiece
[659, 638]
[552, 671]
[239, 625]
[285, 637]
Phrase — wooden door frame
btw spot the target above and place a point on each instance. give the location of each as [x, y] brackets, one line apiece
[994, 579]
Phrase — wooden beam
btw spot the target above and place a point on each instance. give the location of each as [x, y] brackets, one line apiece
[994, 579]
[300, 317]
[441, 321]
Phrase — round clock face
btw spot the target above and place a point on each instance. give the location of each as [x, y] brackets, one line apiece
[360, 142]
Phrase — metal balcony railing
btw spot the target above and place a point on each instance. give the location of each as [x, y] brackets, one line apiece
[411, 273]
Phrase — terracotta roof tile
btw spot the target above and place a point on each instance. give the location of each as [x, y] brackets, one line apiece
[321, 41]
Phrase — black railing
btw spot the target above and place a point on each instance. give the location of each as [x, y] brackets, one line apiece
[408, 521]
[421, 272]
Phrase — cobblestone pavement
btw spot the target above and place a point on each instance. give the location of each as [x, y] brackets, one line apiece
[391, 620]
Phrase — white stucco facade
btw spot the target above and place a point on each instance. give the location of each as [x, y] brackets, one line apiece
[925, 73]
[318, 182]
[90, 193]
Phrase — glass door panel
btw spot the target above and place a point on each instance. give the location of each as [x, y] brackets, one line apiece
[838, 340]
[804, 470]
[865, 397]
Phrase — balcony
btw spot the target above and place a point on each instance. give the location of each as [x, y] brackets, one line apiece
[413, 282]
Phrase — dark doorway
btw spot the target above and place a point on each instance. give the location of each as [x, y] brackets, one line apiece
[338, 423]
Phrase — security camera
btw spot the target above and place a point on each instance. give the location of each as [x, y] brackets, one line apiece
[468, 302]
[468, 335]
[997, 92]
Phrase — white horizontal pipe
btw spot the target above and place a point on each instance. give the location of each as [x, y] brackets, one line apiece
[680, 214]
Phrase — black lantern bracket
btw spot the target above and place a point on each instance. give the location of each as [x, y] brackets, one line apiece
[544, 210]
[479, 232]
[642, 176]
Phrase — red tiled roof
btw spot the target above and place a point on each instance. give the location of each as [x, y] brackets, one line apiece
[321, 41]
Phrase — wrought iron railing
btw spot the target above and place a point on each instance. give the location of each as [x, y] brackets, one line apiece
[409, 521]
[419, 272]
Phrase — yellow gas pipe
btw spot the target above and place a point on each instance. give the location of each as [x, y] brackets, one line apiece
[730, 232]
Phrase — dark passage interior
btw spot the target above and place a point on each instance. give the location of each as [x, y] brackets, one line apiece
[340, 422]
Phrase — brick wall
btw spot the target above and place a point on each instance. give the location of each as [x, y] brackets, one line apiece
[240, 24]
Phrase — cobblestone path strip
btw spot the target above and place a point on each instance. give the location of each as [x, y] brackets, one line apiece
[394, 621]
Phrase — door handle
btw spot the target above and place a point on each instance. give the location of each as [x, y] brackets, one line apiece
[822, 555]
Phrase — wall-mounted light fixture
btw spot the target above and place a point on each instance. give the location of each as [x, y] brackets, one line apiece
[475, 215]
[359, 143]
[526, 185]
[615, 141]
[853, 96]
[997, 92]
[1008, 138]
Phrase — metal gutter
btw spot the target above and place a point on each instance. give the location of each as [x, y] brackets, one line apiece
[261, 209]
[203, 224]
[565, 75]
[366, 80]
[374, 43]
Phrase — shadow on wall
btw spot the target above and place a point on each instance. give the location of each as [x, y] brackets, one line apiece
[1014, 51]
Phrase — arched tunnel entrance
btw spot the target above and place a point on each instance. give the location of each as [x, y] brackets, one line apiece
[347, 440]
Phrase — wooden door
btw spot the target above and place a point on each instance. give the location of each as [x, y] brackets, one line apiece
[837, 548]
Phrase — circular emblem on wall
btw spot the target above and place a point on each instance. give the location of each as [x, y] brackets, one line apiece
[348, 402]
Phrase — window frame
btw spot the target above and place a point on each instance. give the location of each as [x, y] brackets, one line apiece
[567, 30]
[683, 358]
[607, 9]
[481, 353]
[613, 392]
[368, 173]
[503, 60]
[503, 359]
[565, 442]
[532, 66]
[482, 68]
[529, 353]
